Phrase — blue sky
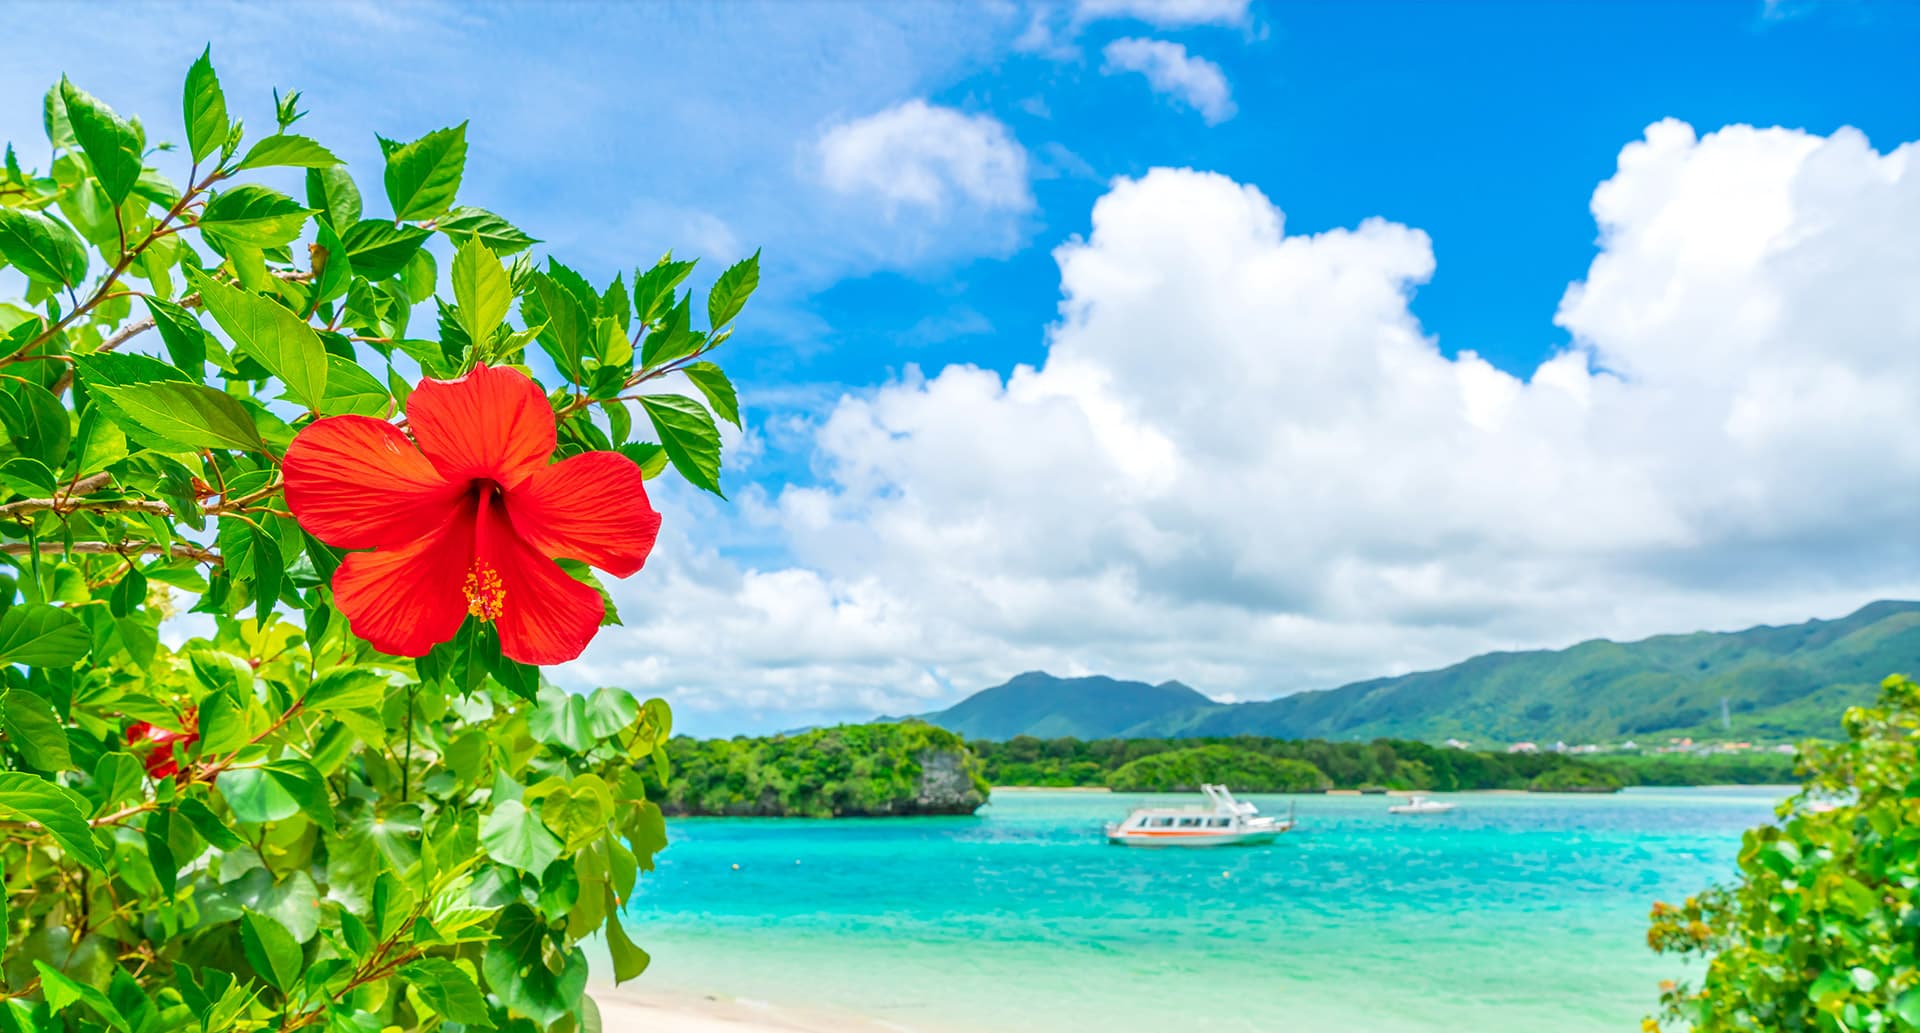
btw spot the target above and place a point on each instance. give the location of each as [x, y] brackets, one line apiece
[834, 586]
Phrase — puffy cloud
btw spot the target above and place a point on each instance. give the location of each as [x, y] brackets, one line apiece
[920, 155]
[1169, 69]
[1167, 14]
[1244, 462]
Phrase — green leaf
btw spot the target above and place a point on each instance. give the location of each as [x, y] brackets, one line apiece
[653, 289]
[610, 711]
[650, 457]
[565, 335]
[514, 836]
[448, 990]
[42, 431]
[499, 235]
[42, 247]
[39, 635]
[423, 176]
[730, 292]
[205, 107]
[59, 809]
[675, 338]
[380, 249]
[481, 290]
[35, 729]
[154, 832]
[561, 720]
[182, 416]
[112, 145]
[1907, 1006]
[252, 216]
[332, 193]
[270, 949]
[347, 688]
[276, 792]
[268, 569]
[209, 825]
[273, 336]
[628, 959]
[62, 992]
[719, 390]
[688, 434]
[186, 341]
[351, 389]
[288, 152]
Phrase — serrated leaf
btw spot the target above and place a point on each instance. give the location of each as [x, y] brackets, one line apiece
[61, 811]
[205, 107]
[62, 992]
[500, 236]
[39, 635]
[690, 437]
[653, 289]
[347, 688]
[183, 417]
[422, 177]
[273, 336]
[35, 729]
[730, 292]
[289, 152]
[42, 247]
[674, 338]
[332, 193]
[481, 290]
[186, 341]
[270, 949]
[564, 336]
[717, 388]
[252, 216]
[380, 249]
[650, 457]
[111, 145]
[351, 389]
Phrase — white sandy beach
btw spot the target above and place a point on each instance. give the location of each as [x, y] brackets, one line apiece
[661, 1011]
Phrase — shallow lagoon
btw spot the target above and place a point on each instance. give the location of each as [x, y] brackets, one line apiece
[1514, 912]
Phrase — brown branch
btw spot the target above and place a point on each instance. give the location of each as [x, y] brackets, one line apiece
[178, 550]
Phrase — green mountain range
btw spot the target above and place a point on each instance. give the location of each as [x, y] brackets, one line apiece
[1766, 683]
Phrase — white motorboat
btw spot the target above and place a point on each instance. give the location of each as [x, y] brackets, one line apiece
[1421, 805]
[1224, 821]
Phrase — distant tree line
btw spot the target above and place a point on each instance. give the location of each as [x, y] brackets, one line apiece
[1254, 764]
[852, 771]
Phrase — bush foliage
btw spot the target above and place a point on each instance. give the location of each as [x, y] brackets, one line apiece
[851, 770]
[271, 825]
[1818, 932]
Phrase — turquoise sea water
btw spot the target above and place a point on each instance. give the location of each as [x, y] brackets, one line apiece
[1512, 913]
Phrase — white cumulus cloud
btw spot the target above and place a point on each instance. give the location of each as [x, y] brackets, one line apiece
[1167, 14]
[1246, 464]
[922, 155]
[1169, 69]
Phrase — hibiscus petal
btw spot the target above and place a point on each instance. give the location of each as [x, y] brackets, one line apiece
[492, 423]
[358, 483]
[591, 507]
[545, 616]
[409, 599]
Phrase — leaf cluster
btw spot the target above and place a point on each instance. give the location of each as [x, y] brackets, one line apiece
[250, 818]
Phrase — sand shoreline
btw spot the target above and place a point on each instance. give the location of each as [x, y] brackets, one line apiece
[632, 1010]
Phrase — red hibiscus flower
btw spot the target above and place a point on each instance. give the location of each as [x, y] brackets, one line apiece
[161, 762]
[467, 518]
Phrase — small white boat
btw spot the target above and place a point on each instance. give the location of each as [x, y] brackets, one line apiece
[1421, 805]
[1224, 821]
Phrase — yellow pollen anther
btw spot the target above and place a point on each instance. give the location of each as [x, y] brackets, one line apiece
[486, 593]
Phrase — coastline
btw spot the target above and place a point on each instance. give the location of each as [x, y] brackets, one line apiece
[625, 1010]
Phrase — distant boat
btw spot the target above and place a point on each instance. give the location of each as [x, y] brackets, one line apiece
[1421, 805]
[1223, 822]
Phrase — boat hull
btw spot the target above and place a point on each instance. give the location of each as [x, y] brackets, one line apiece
[1156, 838]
